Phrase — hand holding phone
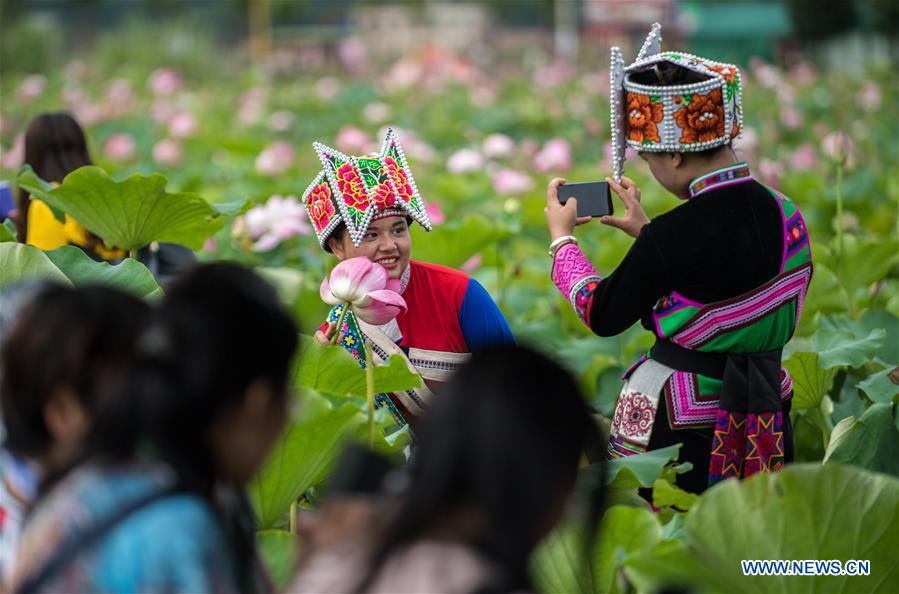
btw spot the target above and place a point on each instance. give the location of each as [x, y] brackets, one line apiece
[593, 198]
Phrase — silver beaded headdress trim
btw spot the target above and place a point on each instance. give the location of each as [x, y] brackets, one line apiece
[357, 190]
[678, 118]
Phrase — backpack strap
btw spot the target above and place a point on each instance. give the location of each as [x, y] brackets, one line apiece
[77, 542]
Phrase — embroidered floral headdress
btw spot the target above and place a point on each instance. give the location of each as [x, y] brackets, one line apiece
[357, 190]
[677, 118]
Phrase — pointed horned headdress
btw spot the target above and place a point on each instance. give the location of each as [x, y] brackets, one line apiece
[357, 190]
[691, 117]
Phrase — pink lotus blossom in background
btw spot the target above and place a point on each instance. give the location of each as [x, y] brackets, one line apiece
[766, 74]
[555, 73]
[464, 161]
[31, 88]
[119, 98]
[275, 158]
[482, 96]
[168, 153]
[88, 114]
[805, 157]
[354, 141]
[790, 117]
[596, 83]
[363, 286]
[183, 125]
[498, 146]
[12, 159]
[352, 54]
[278, 219]
[803, 73]
[629, 153]
[771, 172]
[839, 147]
[164, 82]
[252, 103]
[415, 148]
[76, 69]
[281, 121]
[554, 156]
[120, 148]
[326, 88]
[209, 246]
[472, 264]
[403, 74]
[435, 212]
[163, 111]
[508, 182]
[376, 112]
[869, 96]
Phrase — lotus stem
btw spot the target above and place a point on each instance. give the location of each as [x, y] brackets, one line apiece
[839, 217]
[346, 307]
[370, 393]
[294, 508]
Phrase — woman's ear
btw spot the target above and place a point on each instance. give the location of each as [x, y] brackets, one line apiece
[337, 248]
[677, 159]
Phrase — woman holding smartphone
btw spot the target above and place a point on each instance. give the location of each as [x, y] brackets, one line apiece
[720, 280]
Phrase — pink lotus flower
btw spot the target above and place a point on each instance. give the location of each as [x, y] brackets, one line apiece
[120, 148]
[770, 172]
[435, 212]
[790, 117]
[168, 153]
[275, 158]
[352, 54]
[183, 125]
[362, 285]
[464, 161]
[508, 182]
[12, 159]
[498, 146]
[804, 157]
[353, 141]
[376, 113]
[164, 81]
[275, 221]
[326, 88]
[869, 96]
[472, 264]
[31, 88]
[554, 156]
[838, 146]
[281, 121]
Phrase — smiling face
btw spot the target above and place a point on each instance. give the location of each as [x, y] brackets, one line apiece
[386, 241]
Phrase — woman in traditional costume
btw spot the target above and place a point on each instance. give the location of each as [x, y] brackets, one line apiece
[720, 280]
[363, 206]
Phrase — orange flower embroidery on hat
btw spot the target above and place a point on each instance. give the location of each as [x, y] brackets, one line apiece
[702, 119]
[642, 116]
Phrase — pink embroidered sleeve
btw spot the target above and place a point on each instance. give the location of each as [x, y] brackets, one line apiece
[576, 278]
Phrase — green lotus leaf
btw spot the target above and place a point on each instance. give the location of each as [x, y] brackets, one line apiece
[129, 275]
[128, 214]
[19, 261]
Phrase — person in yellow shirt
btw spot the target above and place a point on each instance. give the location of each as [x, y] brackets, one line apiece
[55, 146]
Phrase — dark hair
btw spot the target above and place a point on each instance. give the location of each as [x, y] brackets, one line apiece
[219, 328]
[80, 339]
[505, 435]
[55, 146]
[668, 74]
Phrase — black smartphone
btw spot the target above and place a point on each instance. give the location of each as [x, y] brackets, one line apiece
[593, 198]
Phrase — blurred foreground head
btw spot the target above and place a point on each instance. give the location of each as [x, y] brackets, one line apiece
[65, 347]
[208, 389]
[498, 458]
